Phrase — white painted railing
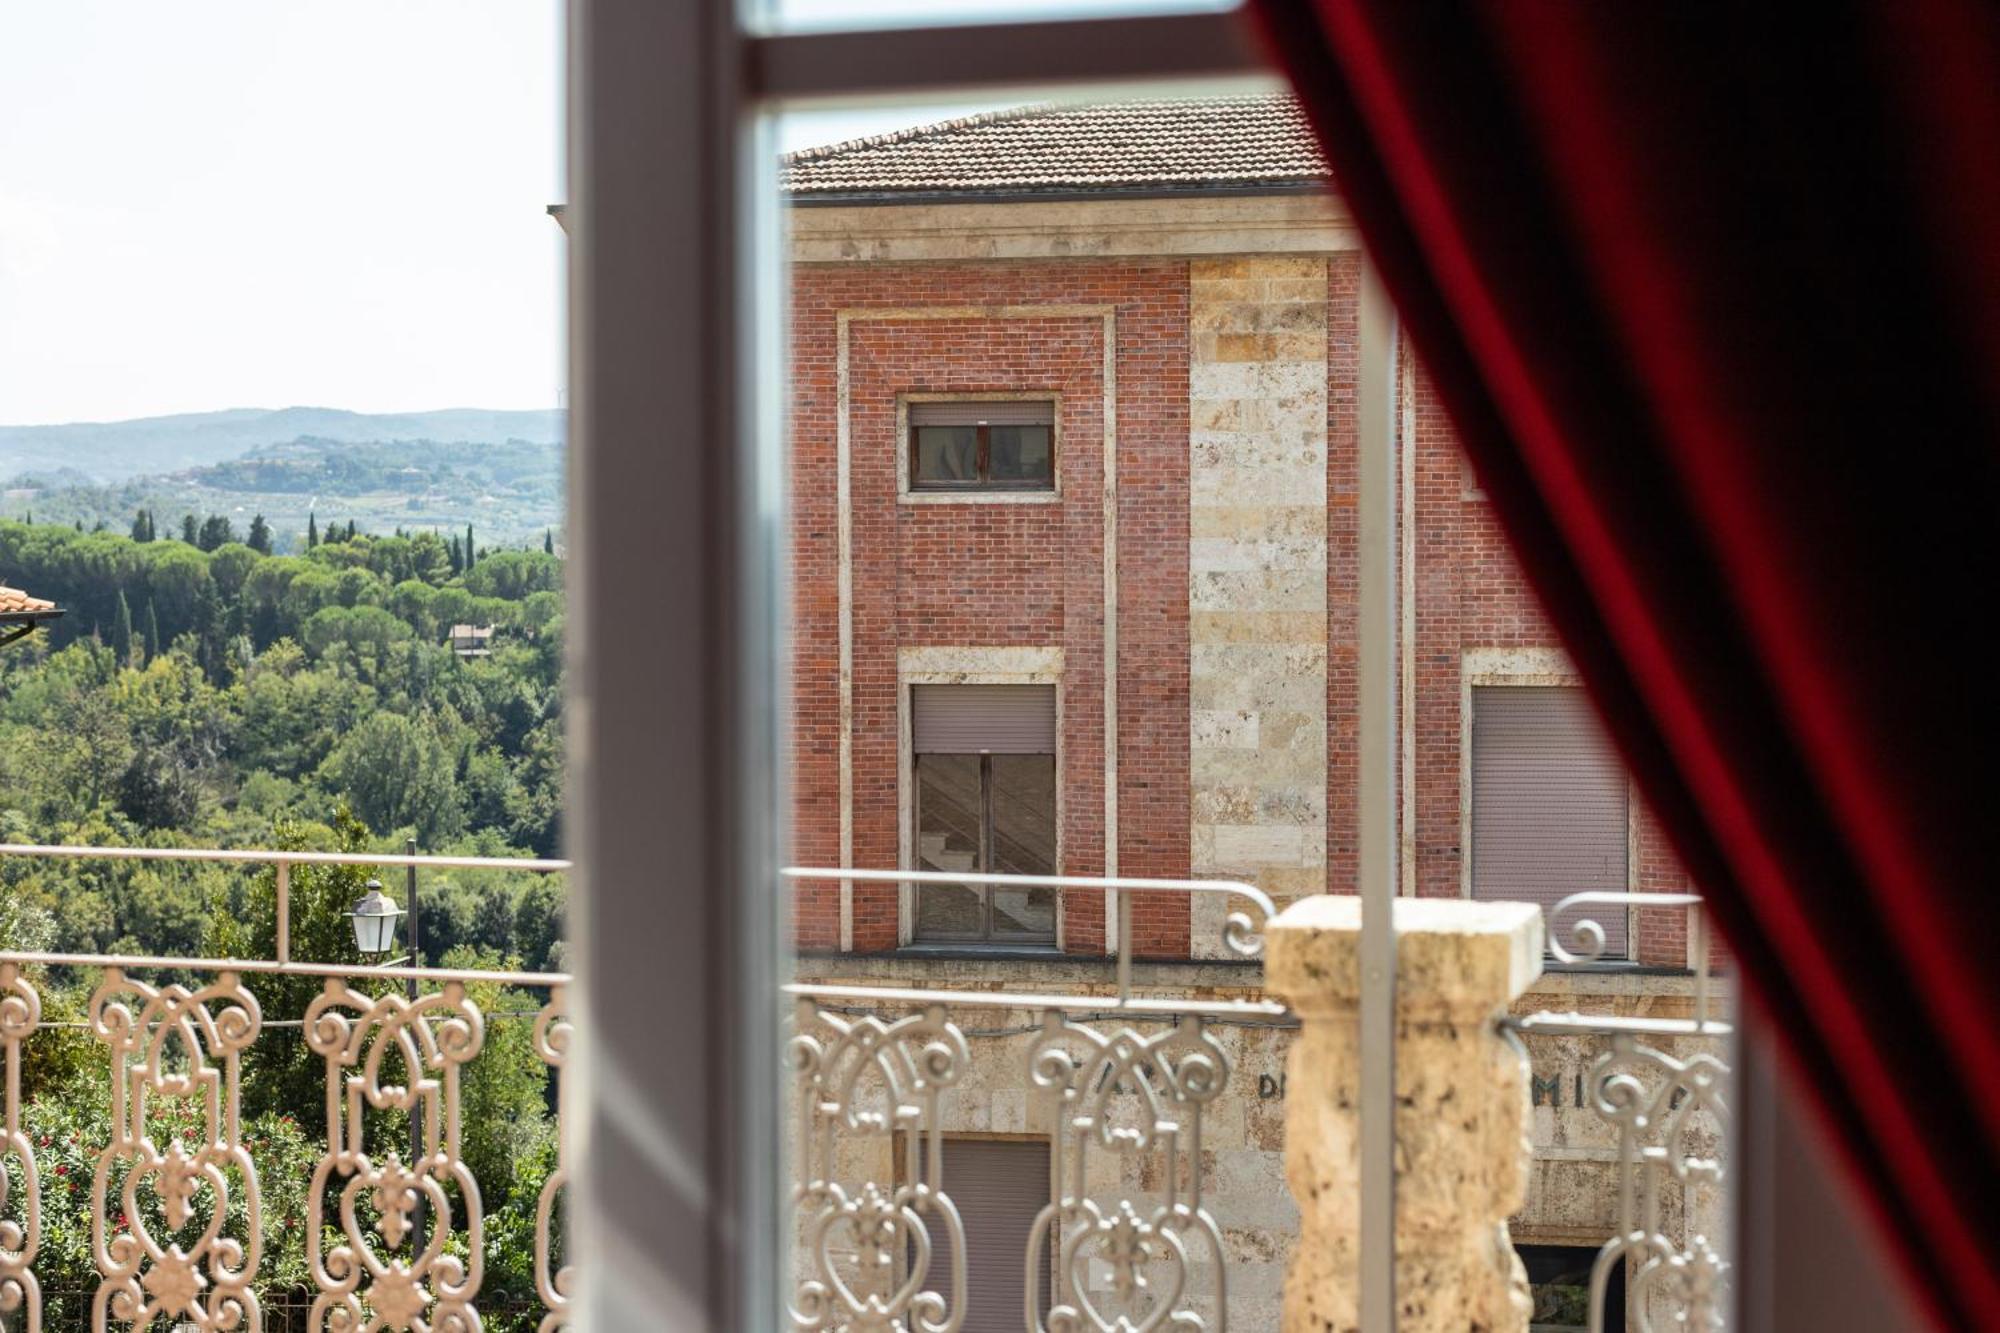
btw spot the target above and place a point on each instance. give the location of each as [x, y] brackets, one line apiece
[1663, 1087]
[1126, 1078]
[396, 1239]
[393, 1234]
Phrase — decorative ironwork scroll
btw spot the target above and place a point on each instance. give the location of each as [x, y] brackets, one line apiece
[553, 1284]
[1670, 1113]
[870, 1248]
[1666, 1156]
[167, 1252]
[1133, 1095]
[20, 1215]
[402, 1278]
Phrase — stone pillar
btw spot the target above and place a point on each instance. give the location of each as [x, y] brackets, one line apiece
[1462, 1145]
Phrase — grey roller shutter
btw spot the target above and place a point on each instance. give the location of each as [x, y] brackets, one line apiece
[999, 1186]
[995, 719]
[1030, 412]
[1549, 804]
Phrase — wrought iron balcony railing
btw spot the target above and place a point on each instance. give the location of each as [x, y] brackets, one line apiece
[882, 1243]
[393, 1225]
[1122, 1086]
[1663, 1086]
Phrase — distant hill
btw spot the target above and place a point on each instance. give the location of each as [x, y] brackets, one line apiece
[116, 451]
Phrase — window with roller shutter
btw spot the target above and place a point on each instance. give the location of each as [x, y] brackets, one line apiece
[999, 1186]
[984, 761]
[1550, 810]
[982, 446]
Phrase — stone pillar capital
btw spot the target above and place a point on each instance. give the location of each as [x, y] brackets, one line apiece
[1455, 958]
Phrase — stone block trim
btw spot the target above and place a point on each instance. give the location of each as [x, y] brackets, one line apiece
[1257, 576]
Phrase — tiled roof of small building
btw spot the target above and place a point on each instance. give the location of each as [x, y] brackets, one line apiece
[1236, 143]
[15, 602]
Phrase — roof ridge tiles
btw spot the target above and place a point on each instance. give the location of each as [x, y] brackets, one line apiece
[1237, 142]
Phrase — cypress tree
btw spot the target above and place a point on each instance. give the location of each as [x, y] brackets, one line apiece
[121, 631]
[312, 530]
[471, 556]
[216, 532]
[190, 530]
[457, 556]
[260, 536]
[548, 541]
[142, 530]
[152, 646]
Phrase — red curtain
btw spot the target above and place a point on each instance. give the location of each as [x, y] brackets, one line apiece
[1712, 294]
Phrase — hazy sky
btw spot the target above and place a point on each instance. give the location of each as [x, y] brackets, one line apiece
[239, 203]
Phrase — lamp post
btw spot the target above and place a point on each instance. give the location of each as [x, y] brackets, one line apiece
[374, 918]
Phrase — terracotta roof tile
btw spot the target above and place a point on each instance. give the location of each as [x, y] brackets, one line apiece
[1207, 143]
[14, 602]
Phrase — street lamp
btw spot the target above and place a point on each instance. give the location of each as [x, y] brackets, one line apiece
[374, 918]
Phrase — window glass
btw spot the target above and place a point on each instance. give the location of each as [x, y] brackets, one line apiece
[970, 445]
[1020, 454]
[949, 819]
[947, 455]
[1024, 841]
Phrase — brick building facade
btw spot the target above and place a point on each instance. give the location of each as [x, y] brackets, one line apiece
[1210, 359]
[1177, 287]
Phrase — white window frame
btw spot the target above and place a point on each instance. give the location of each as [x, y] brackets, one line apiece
[676, 707]
[676, 710]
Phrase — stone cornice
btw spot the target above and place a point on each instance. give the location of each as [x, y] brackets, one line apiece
[1071, 229]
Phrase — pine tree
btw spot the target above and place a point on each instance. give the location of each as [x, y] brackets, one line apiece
[121, 632]
[152, 645]
[548, 541]
[312, 530]
[260, 536]
[190, 530]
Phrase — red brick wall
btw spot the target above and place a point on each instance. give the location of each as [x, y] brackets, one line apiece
[992, 575]
[989, 575]
[1343, 693]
